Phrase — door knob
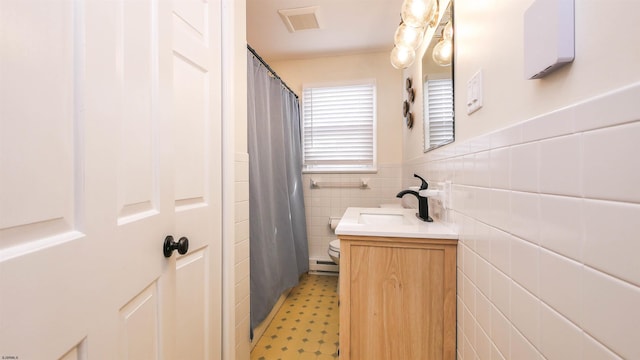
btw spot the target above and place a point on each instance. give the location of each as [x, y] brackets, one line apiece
[169, 245]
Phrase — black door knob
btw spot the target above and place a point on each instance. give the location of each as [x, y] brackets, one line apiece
[169, 245]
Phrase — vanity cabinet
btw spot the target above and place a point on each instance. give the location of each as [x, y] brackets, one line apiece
[397, 298]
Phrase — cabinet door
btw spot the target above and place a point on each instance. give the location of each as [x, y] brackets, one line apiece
[402, 301]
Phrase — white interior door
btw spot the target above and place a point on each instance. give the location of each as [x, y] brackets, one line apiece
[44, 306]
[196, 128]
[108, 133]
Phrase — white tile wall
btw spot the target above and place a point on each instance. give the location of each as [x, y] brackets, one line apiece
[483, 344]
[561, 229]
[549, 218]
[521, 348]
[500, 335]
[561, 284]
[500, 160]
[593, 350]
[610, 312]
[500, 291]
[242, 302]
[606, 159]
[525, 167]
[483, 316]
[559, 168]
[612, 240]
[323, 203]
[525, 264]
[525, 313]
[525, 216]
[561, 339]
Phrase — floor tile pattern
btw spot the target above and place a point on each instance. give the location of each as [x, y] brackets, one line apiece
[306, 326]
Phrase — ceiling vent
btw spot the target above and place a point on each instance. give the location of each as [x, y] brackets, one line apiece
[300, 18]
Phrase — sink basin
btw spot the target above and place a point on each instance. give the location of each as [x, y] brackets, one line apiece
[382, 219]
[391, 222]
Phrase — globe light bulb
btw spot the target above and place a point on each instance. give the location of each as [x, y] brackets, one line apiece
[442, 52]
[418, 13]
[409, 36]
[402, 56]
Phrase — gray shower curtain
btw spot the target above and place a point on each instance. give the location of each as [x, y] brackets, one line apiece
[278, 231]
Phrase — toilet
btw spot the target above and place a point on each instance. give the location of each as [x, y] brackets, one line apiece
[334, 245]
[334, 251]
[334, 254]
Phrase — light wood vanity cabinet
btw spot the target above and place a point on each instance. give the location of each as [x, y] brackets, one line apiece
[397, 298]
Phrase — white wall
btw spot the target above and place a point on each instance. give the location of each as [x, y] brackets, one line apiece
[321, 204]
[545, 188]
[357, 67]
[489, 37]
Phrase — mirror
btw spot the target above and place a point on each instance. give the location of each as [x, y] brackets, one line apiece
[437, 87]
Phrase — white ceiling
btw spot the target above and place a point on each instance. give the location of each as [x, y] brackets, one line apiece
[346, 27]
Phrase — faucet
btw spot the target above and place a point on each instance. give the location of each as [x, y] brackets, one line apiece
[423, 206]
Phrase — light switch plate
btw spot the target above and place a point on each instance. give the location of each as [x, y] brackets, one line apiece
[474, 93]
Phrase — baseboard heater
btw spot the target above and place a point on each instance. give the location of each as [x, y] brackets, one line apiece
[323, 267]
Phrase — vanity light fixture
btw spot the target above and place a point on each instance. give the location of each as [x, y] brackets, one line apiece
[418, 13]
[402, 56]
[409, 35]
[443, 50]
[417, 16]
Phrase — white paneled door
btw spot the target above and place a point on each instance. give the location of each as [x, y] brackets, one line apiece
[110, 133]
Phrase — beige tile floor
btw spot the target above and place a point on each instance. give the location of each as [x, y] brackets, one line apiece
[306, 326]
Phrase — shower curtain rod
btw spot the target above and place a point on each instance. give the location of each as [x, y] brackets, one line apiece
[271, 70]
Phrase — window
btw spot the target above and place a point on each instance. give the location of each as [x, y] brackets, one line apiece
[439, 107]
[339, 128]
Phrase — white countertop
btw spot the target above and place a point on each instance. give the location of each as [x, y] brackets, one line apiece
[392, 222]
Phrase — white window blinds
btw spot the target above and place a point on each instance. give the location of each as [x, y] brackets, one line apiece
[339, 127]
[439, 106]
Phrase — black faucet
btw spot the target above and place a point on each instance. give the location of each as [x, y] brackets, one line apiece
[423, 206]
